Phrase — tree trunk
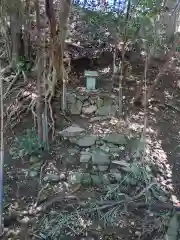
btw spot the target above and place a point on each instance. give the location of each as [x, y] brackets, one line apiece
[16, 36]
[26, 36]
[165, 25]
[57, 45]
[1, 156]
[39, 75]
[65, 7]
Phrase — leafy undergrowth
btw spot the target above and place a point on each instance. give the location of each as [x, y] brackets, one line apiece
[115, 206]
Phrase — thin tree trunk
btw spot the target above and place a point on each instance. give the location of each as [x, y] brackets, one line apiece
[15, 33]
[39, 74]
[26, 30]
[55, 45]
[1, 158]
[65, 7]
[123, 53]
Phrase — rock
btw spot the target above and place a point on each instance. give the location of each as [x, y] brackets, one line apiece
[114, 150]
[114, 155]
[99, 102]
[92, 101]
[51, 178]
[122, 163]
[73, 151]
[102, 168]
[96, 119]
[85, 157]
[105, 148]
[71, 98]
[107, 110]
[163, 199]
[95, 168]
[99, 143]
[174, 199]
[86, 179]
[70, 160]
[34, 159]
[96, 179]
[36, 166]
[73, 140]
[100, 158]
[114, 138]
[151, 214]
[89, 109]
[62, 176]
[111, 145]
[33, 173]
[169, 175]
[100, 179]
[82, 98]
[76, 108]
[104, 110]
[86, 104]
[75, 178]
[72, 131]
[116, 175]
[138, 234]
[108, 101]
[114, 108]
[87, 141]
[105, 179]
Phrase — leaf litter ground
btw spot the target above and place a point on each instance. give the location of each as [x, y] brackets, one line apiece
[135, 207]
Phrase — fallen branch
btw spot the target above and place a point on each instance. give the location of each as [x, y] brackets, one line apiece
[133, 205]
[11, 219]
[54, 200]
[40, 183]
[127, 200]
[66, 117]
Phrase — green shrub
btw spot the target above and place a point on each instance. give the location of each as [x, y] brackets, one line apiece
[24, 65]
[26, 144]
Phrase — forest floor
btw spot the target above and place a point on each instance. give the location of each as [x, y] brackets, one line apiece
[128, 198]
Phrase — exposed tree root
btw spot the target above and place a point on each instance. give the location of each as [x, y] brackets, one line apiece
[24, 103]
[16, 109]
[11, 84]
[130, 204]
[6, 69]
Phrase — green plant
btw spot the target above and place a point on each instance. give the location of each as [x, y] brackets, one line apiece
[136, 173]
[26, 144]
[24, 65]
